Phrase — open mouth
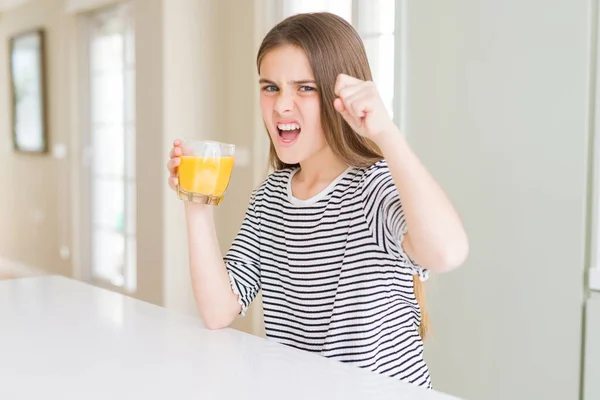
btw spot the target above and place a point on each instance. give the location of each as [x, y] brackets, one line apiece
[288, 133]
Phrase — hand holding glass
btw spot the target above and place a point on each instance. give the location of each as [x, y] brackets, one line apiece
[204, 171]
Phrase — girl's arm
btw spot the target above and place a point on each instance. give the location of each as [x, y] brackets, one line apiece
[435, 238]
[216, 301]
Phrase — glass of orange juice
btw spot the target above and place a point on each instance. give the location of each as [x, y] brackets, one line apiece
[204, 171]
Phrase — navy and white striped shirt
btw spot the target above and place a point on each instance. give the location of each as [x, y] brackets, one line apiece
[334, 277]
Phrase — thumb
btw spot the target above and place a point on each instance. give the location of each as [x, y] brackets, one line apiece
[339, 106]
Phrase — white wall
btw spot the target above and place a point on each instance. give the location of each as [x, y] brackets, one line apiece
[592, 355]
[34, 201]
[150, 152]
[497, 104]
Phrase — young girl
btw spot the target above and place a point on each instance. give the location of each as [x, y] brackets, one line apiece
[341, 234]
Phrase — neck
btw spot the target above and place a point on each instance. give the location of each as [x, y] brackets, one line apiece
[322, 167]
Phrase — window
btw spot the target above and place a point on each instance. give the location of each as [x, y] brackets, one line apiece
[375, 22]
[111, 146]
[343, 8]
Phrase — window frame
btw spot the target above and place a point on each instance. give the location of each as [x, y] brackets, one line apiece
[128, 231]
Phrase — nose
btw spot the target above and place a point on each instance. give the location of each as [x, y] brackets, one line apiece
[284, 102]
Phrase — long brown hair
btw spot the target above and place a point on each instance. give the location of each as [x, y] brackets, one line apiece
[332, 47]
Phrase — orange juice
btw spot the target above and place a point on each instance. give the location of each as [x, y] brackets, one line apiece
[207, 176]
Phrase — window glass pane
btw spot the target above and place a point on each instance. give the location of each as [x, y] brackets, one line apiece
[112, 141]
[129, 43]
[343, 8]
[108, 203]
[107, 97]
[107, 52]
[380, 51]
[109, 150]
[108, 256]
[376, 17]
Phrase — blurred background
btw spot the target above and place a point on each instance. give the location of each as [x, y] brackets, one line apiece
[498, 98]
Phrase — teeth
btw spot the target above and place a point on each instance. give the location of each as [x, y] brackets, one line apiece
[288, 127]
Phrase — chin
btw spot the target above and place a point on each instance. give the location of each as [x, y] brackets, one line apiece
[288, 159]
[286, 155]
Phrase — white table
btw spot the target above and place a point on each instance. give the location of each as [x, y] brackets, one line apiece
[60, 338]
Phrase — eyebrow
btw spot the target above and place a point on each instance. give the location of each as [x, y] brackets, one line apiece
[298, 82]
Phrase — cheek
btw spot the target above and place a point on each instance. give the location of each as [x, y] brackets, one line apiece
[266, 110]
[312, 116]
[266, 105]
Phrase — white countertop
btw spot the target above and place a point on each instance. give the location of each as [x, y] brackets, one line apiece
[60, 338]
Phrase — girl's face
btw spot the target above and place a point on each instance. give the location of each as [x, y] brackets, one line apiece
[290, 105]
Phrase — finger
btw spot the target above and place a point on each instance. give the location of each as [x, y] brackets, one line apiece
[358, 104]
[338, 104]
[173, 183]
[175, 152]
[351, 90]
[186, 151]
[362, 107]
[173, 164]
[177, 142]
[343, 81]
[349, 78]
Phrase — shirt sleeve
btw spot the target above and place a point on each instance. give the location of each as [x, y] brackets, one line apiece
[385, 215]
[243, 258]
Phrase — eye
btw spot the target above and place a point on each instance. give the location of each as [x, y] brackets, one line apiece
[270, 88]
[307, 89]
